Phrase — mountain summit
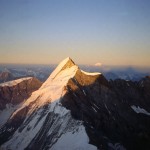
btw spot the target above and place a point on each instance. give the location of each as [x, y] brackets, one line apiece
[43, 115]
[66, 64]
[75, 109]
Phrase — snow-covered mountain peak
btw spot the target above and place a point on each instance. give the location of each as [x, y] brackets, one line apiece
[74, 108]
[63, 65]
[43, 115]
[54, 88]
[66, 63]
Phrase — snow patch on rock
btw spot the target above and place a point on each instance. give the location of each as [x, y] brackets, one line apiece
[138, 110]
[90, 73]
[15, 82]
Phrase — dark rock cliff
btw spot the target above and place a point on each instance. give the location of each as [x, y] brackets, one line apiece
[106, 110]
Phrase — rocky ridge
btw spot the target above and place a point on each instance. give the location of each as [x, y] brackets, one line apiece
[14, 92]
[74, 109]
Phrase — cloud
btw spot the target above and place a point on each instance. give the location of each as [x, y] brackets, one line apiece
[98, 64]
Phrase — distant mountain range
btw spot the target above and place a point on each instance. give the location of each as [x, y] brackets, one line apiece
[41, 72]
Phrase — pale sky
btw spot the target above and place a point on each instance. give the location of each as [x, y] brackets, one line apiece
[111, 32]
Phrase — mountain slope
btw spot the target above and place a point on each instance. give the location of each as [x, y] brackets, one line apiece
[13, 93]
[16, 91]
[42, 117]
[74, 109]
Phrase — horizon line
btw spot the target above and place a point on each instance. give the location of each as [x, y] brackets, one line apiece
[92, 65]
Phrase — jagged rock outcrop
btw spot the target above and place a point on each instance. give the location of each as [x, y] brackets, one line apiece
[112, 112]
[14, 92]
[74, 109]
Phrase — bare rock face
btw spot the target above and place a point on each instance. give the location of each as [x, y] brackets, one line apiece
[115, 114]
[16, 91]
